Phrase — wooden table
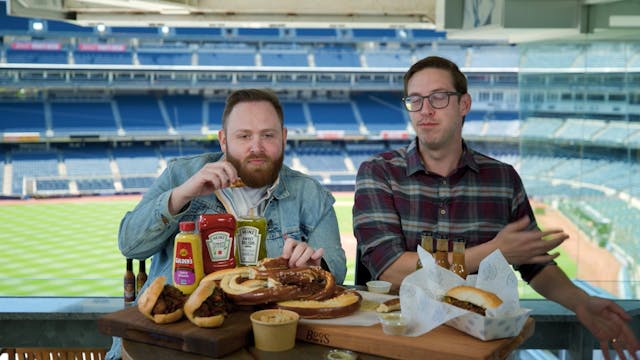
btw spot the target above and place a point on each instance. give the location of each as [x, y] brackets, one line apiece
[443, 342]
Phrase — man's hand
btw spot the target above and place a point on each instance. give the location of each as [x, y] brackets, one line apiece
[211, 177]
[608, 322]
[300, 253]
[521, 246]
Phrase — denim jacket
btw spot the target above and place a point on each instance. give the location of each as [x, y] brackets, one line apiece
[299, 207]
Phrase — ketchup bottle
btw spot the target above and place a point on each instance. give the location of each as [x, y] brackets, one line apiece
[217, 233]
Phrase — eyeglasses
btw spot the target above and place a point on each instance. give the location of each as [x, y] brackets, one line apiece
[437, 100]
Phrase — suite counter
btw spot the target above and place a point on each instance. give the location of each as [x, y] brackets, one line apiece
[71, 322]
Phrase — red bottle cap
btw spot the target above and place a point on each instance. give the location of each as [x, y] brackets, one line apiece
[187, 226]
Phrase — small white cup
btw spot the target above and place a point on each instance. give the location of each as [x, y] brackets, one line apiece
[378, 286]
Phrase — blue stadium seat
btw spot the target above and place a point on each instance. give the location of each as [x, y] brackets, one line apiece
[336, 58]
[294, 118]
[24, 116]
[381, 111]
[103, 57]
[82, 118]
[227, 57]
[37, 56]
[136, 160]
[87, 161]
[141, 114]
[164, 56]
[333, 116]
[185, 112]
[284, 58]
[31, 164]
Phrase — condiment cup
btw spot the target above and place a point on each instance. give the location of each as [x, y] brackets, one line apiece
[378, 286]
[393, 323]
[274, 329]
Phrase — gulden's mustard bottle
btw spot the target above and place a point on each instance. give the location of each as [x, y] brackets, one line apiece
[187, 258]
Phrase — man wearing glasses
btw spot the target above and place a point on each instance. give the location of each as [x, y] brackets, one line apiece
[440, 184]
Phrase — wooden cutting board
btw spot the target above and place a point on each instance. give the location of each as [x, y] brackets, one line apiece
[234, 334]
[443, 342]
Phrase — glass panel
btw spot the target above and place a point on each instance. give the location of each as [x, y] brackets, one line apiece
[579, 150]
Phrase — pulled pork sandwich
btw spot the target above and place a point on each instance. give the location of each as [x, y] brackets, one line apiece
[206, 306]
[472, 299]
[161, 303]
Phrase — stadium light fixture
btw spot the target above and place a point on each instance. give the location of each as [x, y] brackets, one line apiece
[37, 26]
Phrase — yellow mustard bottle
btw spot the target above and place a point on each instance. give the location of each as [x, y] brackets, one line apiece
[187, 258]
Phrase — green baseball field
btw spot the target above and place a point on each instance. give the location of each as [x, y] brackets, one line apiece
[68, 247]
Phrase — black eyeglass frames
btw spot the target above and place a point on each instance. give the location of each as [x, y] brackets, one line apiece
[437, 100]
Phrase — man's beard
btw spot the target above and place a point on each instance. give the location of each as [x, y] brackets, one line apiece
[257, 177]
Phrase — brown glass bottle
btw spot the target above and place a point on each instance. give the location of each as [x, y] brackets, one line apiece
[458, 266]
[129, 284]
[141, 278]
[442, 251]
[426, 241]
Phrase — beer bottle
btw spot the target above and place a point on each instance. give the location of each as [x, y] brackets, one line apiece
[458, 266]
[426, 241]
[442, 251]
[129, 284]
[141, 278]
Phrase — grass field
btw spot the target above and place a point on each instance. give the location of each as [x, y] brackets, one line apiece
[70, 248]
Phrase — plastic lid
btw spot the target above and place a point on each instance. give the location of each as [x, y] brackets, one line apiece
[187, 226]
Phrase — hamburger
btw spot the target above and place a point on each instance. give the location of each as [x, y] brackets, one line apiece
[472, 299]
[206, 306]
[161, 303]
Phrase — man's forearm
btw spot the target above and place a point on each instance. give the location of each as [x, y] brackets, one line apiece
[552, 283]
[403, 266]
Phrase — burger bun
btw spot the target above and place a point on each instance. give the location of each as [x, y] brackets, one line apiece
[475, 296]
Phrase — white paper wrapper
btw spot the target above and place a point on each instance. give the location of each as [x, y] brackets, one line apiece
[420, 295]
[360, 317]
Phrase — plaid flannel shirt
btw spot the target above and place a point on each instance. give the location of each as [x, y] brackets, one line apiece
[397, 198]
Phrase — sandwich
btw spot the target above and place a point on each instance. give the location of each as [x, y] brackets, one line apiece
[472, 299]
[161, 303]
[206, 306]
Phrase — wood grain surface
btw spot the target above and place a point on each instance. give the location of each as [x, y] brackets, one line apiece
[234, 334]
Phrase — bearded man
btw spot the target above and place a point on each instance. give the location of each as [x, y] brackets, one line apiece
[301, 222]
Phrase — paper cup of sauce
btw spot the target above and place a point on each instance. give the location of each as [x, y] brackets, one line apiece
[274, 329]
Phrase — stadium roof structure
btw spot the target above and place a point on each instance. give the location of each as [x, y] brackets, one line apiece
[246, 13]
[511, 20]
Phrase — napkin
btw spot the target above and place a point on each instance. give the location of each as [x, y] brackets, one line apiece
[421, 293]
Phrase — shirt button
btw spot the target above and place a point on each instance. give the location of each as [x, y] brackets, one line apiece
[443, 211]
